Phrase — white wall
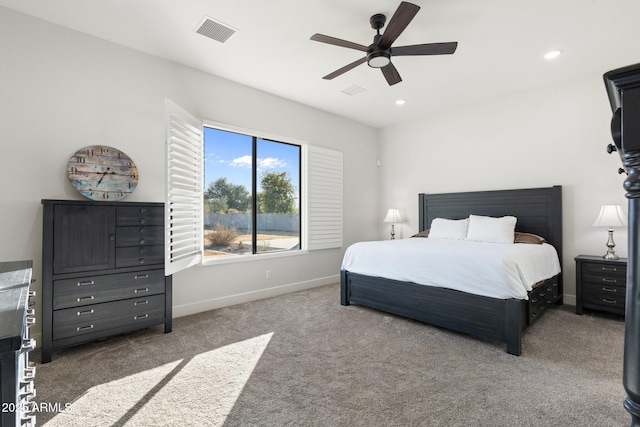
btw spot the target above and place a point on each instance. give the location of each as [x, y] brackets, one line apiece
[553, 136]
[62, 90]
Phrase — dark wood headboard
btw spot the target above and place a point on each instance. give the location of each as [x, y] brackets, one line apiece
[539, 210]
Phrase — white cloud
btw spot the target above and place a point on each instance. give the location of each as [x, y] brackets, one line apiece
[266, 163]
[241, 162]
[270, 163]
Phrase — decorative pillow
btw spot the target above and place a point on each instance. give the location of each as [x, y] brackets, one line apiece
[423, 233]
[491, 229]
[455, 229]
[530, 238]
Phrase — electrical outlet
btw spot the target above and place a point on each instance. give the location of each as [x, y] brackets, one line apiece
[268, 274]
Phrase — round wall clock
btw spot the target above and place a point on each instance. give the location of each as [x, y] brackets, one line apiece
[100, 172]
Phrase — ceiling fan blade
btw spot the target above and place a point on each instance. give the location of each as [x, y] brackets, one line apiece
[338, 42]
[399, 21]
[346, 68]
[425, 49]
[391, 74]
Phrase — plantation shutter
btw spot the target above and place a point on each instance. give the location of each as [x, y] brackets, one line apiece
[185, 181]
[324, 193]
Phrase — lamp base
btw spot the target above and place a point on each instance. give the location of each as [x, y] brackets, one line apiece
[610, 255]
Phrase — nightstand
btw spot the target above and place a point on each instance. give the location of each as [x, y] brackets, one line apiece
[600, 284]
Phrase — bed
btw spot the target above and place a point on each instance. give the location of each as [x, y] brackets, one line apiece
[538, 211]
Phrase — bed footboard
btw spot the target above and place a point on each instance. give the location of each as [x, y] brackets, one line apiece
[501, 320]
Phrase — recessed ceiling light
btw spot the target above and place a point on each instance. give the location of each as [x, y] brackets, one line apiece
[400, 102]
[552, 54]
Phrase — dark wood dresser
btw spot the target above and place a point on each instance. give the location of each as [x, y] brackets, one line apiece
[102, 271]
[16, 372]
[601, 284]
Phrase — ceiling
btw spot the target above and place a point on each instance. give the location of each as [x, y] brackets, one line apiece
[500, 50]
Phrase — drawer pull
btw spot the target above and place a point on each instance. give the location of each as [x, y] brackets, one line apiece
[609, 269]
[27, 345]
[29, 373]
[142, 241]
[604, 279]
[142, 210]
[143, 221]
[84, 328]
[613, 290]
[137, 291]
[141, 260]
[141, 276]
[609, 301]
[141, 316]
[141, 250]
[141, 302]
[31, 294]
[81, 299]
[87, 283]
[542, 294]
[534, 300]
[30, 321]
[141, 229]
[80, 313]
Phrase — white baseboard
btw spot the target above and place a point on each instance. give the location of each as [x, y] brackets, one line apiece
[212, 304]
[569, 299]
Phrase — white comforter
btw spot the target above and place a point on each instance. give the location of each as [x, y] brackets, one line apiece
[490, 269]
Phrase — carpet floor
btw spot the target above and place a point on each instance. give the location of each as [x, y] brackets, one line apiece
[302, 359]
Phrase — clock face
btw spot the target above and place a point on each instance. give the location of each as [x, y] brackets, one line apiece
[99, 172]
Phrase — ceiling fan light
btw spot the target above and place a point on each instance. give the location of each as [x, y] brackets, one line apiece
[378, 59]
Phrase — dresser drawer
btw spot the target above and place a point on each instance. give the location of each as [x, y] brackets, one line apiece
[96, 289]
[146, 215]
[605, 301]
[139, 255]
[619, 280]
[542, 297]
[597, 269]
[139, 236]
[98, 317]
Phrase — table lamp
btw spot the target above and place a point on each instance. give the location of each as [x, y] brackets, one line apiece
[394, 217]
[610, 216]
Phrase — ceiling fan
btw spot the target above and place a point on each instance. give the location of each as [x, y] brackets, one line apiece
[379, 53]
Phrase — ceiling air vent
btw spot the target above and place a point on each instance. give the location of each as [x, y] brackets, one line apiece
[353, 90]
[215, 30]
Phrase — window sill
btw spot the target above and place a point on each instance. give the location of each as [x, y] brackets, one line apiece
[248, 258]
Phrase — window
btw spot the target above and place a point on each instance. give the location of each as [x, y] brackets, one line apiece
[298, 181]
[251, 194]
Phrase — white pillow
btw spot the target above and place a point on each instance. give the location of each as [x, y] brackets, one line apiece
[492, 230]
[442, 228]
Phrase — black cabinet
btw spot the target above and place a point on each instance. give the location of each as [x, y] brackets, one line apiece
[84, 238]
[601, 284]
[103, 271]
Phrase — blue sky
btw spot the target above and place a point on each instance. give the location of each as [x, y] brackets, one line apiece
[229, 154]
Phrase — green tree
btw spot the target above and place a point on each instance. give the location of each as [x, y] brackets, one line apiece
[277, 194]
[222, 195]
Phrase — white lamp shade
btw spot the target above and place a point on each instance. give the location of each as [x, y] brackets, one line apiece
[610, 216]
[393, 215]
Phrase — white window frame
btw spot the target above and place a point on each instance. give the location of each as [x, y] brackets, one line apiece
[322, 195]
